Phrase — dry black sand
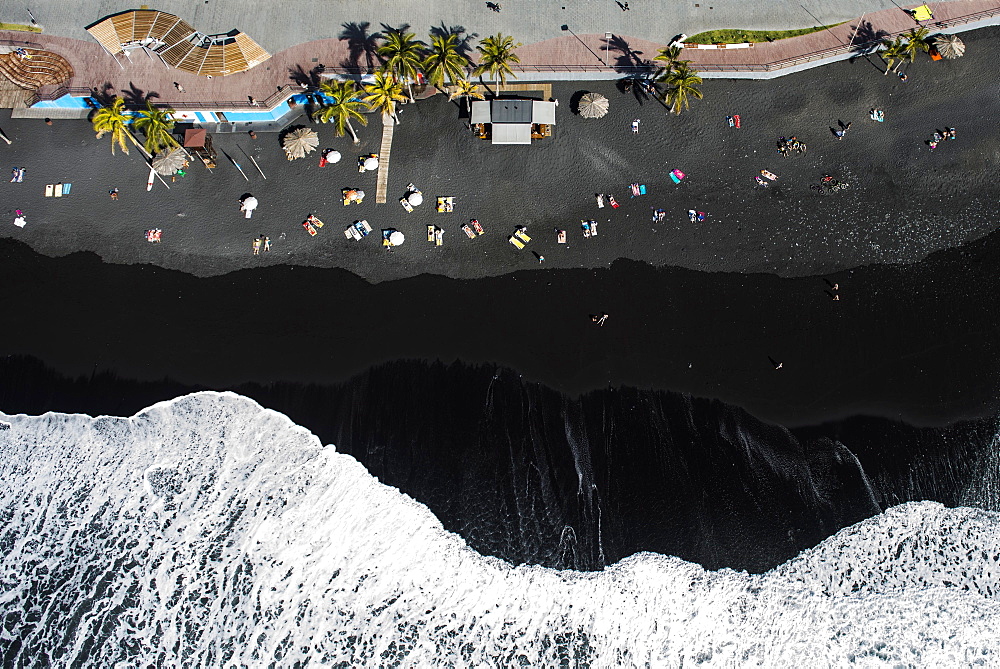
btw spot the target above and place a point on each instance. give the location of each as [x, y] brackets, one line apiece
[697, 308]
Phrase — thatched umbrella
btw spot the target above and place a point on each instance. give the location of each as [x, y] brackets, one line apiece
[949, 46]
[169, 162]
[593, 105]
[300, 142]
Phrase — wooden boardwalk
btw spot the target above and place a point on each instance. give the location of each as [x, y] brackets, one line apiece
[384, 153]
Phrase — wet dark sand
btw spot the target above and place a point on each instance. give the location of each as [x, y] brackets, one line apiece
[915, 342]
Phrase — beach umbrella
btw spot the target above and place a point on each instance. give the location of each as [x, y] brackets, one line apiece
[593, 105]
[396, 238]
[949, 46]
[250, 203]
[300, 142]
[371, 163]
[169, 162]
[333, 156]
[416, 199]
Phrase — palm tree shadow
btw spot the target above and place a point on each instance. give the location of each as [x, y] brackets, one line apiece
[866, 42]
[463, 44]
[136, 97]
[362, 46]
[311, 78]
[627, 59]
[401, 30]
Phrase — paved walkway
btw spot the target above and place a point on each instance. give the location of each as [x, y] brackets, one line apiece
[385, 153]
[570, 56]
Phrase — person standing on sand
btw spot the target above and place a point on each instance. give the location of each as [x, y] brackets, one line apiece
[599, 319]
[114, 193]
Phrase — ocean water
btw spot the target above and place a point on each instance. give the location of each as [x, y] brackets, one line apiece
[209, 531]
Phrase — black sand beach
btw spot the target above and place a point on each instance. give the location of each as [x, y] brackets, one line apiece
[904, 201]
[704, 310]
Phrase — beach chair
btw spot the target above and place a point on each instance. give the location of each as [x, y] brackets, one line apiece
[430, 233]
[593, 228]
[352, 233]
[475, 226]
[600, 201]
[560, 236]
[406, 205]
[635, 126]
[315, 221]
[48, 190]
[309, 228]
[445, 204]
[586, 228]
[769, 175]
[613, 202]
[58, 190]
[516, 242]
[469, 232]
[438, 237]
[522, 234]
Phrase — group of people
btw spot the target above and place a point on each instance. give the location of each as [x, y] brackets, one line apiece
[262, 243]
[938, 137]
[786, 146]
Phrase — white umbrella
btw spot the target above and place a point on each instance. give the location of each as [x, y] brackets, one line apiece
[416, 199]
[249, 204]
[396, 238]
[361, 195]
[333, 157]
[169, 162]
[371, 163]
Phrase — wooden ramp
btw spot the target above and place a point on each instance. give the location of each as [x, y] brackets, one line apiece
[382, 185]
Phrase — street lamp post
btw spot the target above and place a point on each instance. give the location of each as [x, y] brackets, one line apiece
[607, 45]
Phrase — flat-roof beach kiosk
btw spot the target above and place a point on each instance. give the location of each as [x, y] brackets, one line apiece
[507, 121]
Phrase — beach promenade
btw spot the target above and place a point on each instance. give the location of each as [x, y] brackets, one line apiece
[573, 54]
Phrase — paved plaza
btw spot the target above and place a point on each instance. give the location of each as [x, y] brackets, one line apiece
[279, 26]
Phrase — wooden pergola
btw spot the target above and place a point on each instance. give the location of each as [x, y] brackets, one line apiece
[177, 43]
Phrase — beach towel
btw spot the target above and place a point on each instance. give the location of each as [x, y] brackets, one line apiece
[66, 188]
[676, 176]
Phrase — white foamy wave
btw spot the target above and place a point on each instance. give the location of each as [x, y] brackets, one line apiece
[208, 531]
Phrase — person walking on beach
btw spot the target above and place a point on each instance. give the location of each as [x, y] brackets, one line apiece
[180, 89]
[267, 244]
[541, 258]
[114, 193]
[599, 319]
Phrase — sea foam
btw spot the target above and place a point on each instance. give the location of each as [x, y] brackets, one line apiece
[208, 531]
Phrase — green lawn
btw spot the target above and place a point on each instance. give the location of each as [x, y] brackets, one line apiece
[733, 36]
[18, 26]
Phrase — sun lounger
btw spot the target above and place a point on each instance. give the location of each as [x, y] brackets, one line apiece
[351, 233]
[430, 233]
[635, 125]
[613, 202]
[438, 237]
[515, 241]
[406, 205]
[469, 232]
[586, 228]
[736, 120]
[593, 228]
[560, 236]
[768, 175]
[445, 204]
[48, 190]
[309, 228]
[58, 190]
[475, 226]
[315, 221]
[522, 234]
[600, 201]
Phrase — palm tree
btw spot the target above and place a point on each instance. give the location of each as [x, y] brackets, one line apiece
[402, 54]
[682, 82]
[444, 64]
[671, 57]
[384, 94]
[496, 55]
[916, 41]
[893, 53]
[112, 120]
[464, 88]
[157, 125]
[345, 108]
